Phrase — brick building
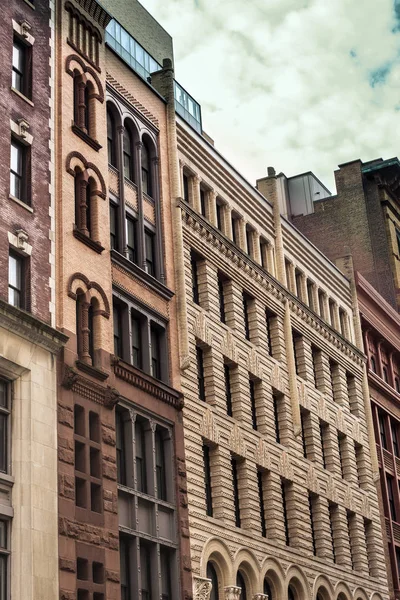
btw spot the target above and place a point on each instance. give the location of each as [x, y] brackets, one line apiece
[28, 340]
[363, 217]
[123, 529]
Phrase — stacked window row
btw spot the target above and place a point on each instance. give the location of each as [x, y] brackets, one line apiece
[382, 360]
[261, 250]
[334, 532]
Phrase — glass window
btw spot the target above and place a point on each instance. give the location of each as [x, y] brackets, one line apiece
[149, 247]
[155, 352]
[235, 484]
[195, 279]
[203, 202]
[145, 570]
[207, 480]
[125, 568]
[221, 296]
[4, 422]
[200, 373]
[136, 341]
[392, 506]
[131, 227]
[3, 559]
[17, 170]
[19, 67]
[261, 500]
[186, 188]
[113, 225]
[228, 393]
[120, 447]
[165, 561]
[111, 139]
[146, 178]
[394, 439]
[15, 272]
[140, 446]
[241, 583]
[382, 430]
[160, 466]
[127, 152]
[212, 574]
[117, 330]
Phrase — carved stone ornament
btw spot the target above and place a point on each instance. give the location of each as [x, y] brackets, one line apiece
[276, 379]
[331, 489]
[69, 378]
[348, 498]
[262, 456]
[253, 363]
[23, 127]
[285, 466]
[365, 507]
[22, 238]
[312, 480]
[236, 442]
[340, 422]
[208, 429]
[303, 395]
[201, 329]
[232, 592]
[25, 28]
[322, 413]
[111, 397]
[357, 434]
[201, 588]
[260, 597]
[228, 347]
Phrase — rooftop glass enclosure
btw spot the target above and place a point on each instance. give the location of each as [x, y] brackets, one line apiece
[142, 63]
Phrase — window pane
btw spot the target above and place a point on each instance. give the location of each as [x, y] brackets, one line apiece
[131, 231]
[3, 534]
[155, 353]
[16, 158]
[3, 443]
[17, 58]
[136, 342]
[3, 394]
[140, 457]
[165, 559]
[160, 466]
[3, 577]
[149, 245]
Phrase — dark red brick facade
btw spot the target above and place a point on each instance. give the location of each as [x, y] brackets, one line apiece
[14, 216]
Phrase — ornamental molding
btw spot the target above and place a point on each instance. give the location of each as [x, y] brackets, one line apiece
[253, 364]
[208, 428]
[232, 592]
[228, 347]
[270, 285]
[348, 499]
[201, 329]
[331, 491]
[236, 442]
[312, 480]
[340, 421]
[201, 588]
[276, 379]
[262, 455]
[285, 466]
[72, 380]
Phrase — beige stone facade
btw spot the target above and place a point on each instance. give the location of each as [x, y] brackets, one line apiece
[276, 402]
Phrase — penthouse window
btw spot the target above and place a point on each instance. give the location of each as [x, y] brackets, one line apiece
[146, 480]
[22, 67]
[140, 338]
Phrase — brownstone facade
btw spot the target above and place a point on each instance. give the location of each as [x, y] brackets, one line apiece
[123, 528]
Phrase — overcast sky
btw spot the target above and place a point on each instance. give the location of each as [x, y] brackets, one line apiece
[297, 84]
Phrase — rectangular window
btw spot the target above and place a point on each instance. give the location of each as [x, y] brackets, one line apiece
[136, 324]
[113, 225]
[195, 278]
[253, 404]
[298, 280]
[88, 485]
[249, 241]
[140, 455]
[4, 424]
[145, 570]
[228, 394]
[342, 445]
[332, 508]
[221, 297]
[276, 401]
[382, 430]
[219, 215]
[246, 306]
[310, 286]
[359, 452]
[124, 556]
[207, 480]
[150, 253]
[203, 202]
[284, 511]
[311, 506]
[4, 553]
[392, 505]
[117, 318]
[235, 233]
[186, 188]
[15, 280]
[393, 427]
[323, 430]
[120, 448]
[200, 373]
[334, 374]
[131, 241]
[269, 317]
[316, 357]
[303, 418]
[155, 352]
[260, 482]
[21, 76]
[18, 168]
[350, 519]
[297, 337]
[165, 562]
[235, 484]
[160, 466]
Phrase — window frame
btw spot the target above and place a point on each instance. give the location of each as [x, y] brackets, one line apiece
[5, 556]
[23, 193]
[5, 411]
[21, 261]
[26, 74]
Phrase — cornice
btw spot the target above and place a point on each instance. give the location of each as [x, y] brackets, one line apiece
[254, 271]
[30, 328]
[71, 379]
[96, 11]
[148, 384]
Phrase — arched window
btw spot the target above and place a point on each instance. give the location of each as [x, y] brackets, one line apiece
[291, 593]
[86, 110]
[212, 574]
[268, 590]
[146, 171]
[88, 207]
[385, 374]
[127, 152]
[373, 364]
[91, 331]
[83, 103]
[85, 328]
[111, 139]
[83, 190]
[241, 583]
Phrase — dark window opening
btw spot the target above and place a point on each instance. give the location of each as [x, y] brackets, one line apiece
[207, 480]
[284, 512]
[160, 466]
[228, 394]
[16, 280]
[260, 477]
[253, 404]
[235, 483]
[200, 373]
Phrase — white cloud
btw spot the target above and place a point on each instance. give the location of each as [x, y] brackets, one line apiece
[288, 82]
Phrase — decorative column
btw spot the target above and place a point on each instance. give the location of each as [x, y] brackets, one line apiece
[212, 207]
[82, 225]
[81, 106]
[271, 260]
[84, 323]
[141, 256]
[156, 197]
[256, 247]
[232, 592]
[196, 193]
[201, 588]
[121, 206]
[227, 221]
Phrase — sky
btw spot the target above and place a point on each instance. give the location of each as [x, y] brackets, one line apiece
[300, 85]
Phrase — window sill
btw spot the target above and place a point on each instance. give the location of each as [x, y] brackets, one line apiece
[22, 96]
[147, 279]
[86, 137]
[85, 239]
[90, 370]
[7, 479]
[18, 201]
